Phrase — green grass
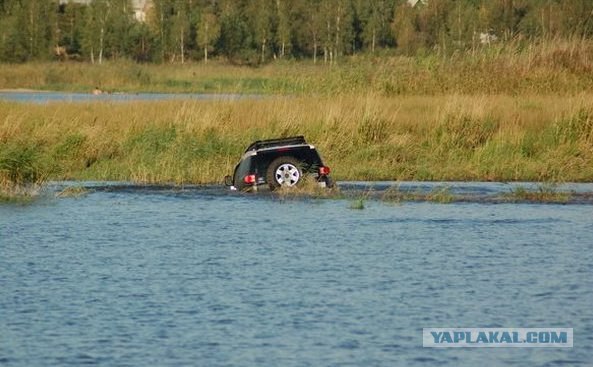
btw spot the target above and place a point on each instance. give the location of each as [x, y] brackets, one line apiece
[441, 195]
[75, 192]
[358, 204]
[554, 66]
[503, 113]
[22, 171]
[434, 138]
[546, 193]
[11, 197]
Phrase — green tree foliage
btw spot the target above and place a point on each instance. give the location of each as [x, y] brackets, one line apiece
[141, 43]
[119, 26]
[406, 29]
[180, 28]
[307, 28]
[12, 44]
[258, 15]
[259, 31]
[282, 32]
[38, 18]
[160, 20]
[70, 28]
[105, 30]
[375, 19]
[235, 41]
[207, 30]
[27, 30]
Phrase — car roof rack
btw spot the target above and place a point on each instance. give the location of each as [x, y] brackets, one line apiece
[276, 142]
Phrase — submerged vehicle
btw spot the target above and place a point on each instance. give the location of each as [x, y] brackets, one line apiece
[275, 163]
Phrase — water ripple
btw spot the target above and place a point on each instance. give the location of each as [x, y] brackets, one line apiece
[145, 276]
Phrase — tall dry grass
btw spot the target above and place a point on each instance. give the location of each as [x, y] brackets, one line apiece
[547, 66]
[369, 137]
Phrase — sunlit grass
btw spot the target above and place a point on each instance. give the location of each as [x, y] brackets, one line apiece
[510, 112]
[358, 204]
[369, 137]
[441, 195]
[22, 170]
[308, 188]
[11, 193]
[73, 192]
[556, 66]
[543, 193]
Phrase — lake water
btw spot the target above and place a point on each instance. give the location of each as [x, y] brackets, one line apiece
[47, 97]
[139, 276]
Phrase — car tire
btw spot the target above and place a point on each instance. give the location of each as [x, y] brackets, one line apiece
[284, 171]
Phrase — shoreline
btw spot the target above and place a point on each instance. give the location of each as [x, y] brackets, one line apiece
[357, 191]
[507, 139]
[26, 90]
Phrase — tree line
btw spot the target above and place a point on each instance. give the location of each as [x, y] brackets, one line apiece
[259, 31]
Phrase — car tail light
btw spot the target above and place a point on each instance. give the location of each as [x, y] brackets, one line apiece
[249, 179]
[323, 170]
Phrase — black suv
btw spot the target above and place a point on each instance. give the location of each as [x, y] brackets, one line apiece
[278, 162]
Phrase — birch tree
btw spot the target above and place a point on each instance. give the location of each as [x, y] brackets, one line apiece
[96, 15]
[180, 27]
[375, 17]
[208, 31]
[283, 27]
[37, 26]
[258, 13]
[160, 21]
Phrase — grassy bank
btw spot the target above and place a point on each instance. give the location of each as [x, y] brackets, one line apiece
[369, 137]
[21, 171]
[546, 67]
[508, 112]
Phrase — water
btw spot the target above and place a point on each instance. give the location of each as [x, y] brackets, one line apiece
[47, 97]
[160, 276]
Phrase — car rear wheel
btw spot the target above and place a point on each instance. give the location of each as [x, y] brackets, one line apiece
[285, 172]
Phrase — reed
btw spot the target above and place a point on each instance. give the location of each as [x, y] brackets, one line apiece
[21, 170]
[358, 204]
[546, 193]
[547, 66]
[441, 195]
[309, 189]
[367, 137]
[75, 192]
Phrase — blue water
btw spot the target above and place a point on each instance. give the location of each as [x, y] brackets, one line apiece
[202, 277]
[46, 97]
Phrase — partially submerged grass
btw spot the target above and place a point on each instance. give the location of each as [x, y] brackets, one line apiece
[359, 200]
[545, 193]
[73, 192]
[309, 188]
[11, 193]
[21, 171]
[440, 195]
[358, 203]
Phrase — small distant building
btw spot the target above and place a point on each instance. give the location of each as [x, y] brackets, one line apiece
[487, 38]
[413, 3]
[85, 2]
[140, 9]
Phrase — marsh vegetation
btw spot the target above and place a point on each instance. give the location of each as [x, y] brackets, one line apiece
[502, 114]
[368, 137]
